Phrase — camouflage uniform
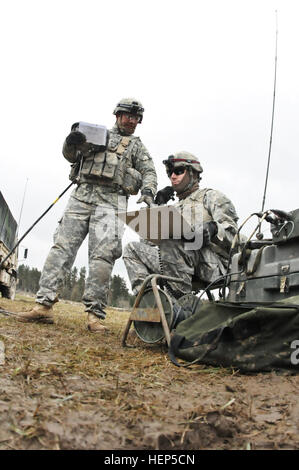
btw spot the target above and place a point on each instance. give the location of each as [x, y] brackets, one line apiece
[92, 210]
[206, 263]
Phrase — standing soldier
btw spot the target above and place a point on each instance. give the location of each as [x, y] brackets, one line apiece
[213, 218]
[105, 181]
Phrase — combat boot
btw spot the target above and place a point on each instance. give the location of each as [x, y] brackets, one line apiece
[38, 314]
[95, 324]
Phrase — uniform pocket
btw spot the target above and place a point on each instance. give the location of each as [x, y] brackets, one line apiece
[132, 181]
[87, 164]
[100, 164]
[110, 165]
[97, 165]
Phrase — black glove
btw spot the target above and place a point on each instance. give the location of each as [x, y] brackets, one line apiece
[209, 230]
[75, 138]
[164, 195]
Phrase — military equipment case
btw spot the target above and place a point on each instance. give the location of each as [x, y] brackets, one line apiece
[248, 337]
[256, 327]
[270, 273]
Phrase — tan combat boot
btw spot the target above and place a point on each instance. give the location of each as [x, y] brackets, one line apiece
[95, 324]
[39, 314]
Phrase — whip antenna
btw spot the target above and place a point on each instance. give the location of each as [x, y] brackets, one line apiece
[272, 119]
[21, 211]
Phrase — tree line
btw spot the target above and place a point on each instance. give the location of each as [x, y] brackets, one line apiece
[73, 286]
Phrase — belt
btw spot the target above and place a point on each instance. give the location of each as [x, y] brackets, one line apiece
[107, 186]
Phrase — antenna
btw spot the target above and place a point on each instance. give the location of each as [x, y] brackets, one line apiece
[272, 119]
[33, 225]
[21, 211]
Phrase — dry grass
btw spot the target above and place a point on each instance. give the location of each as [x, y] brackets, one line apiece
[62, 387]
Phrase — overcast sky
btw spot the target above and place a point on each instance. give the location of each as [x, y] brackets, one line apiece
[204, 71]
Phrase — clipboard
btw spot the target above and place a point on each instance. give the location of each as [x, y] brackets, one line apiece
[159, 223]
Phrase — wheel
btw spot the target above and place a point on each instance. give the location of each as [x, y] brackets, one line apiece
[152, 332]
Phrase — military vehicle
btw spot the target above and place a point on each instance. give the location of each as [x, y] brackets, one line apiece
[267, 270]
[8, 235]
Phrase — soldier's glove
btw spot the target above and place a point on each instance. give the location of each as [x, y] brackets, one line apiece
[147, 197]
[209, 230]
[75, 138]
[164, 195]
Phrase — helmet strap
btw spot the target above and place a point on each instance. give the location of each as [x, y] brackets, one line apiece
[190, 187]
[191, 178]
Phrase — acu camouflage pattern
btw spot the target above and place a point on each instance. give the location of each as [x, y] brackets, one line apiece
[206, 264]
[126, 165]
[92, 209]
[249, 338]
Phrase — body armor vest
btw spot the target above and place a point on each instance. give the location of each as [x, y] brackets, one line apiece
[112, 167]
[199, 214]
[194, 210]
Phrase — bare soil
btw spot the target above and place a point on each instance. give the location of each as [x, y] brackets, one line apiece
[62, 387]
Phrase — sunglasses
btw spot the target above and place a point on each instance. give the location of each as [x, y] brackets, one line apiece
[131, 117]
[178, 170]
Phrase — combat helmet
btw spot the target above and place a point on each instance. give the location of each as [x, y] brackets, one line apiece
[130, 105]
[184, 159]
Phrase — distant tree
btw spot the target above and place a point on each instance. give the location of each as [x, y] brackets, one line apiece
[67, 287]
[119, 295]
[35, 275]
[28, 279]
[74, 284]
[74, 276]
[81, 284]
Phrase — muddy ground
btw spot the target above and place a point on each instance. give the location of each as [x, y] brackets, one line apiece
[62, 387]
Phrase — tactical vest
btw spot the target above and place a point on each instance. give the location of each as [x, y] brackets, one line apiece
[114, 166]
[195, 210]
[200, 214]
